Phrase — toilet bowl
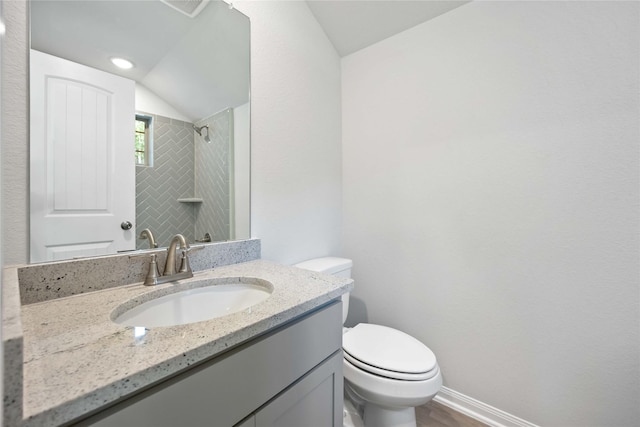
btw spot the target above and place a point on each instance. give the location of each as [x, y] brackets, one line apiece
[387, 373]
[390, 371]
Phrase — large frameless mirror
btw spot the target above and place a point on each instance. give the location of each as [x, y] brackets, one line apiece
[139, 125]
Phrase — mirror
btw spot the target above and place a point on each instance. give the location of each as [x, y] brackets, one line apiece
[187, 134]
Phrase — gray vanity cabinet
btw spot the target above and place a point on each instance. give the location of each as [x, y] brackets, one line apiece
[291, 376]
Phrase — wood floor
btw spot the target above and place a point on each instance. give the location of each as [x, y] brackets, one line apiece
[433, 414]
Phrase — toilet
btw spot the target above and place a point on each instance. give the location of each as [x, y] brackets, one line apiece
[387, 373]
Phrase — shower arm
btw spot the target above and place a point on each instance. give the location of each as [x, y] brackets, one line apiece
[199, 131]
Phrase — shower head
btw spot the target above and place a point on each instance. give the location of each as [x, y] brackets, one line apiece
[199, 130]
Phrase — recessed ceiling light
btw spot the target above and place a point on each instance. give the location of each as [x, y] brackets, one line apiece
[122, 63]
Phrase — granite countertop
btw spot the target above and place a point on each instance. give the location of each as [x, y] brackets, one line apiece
[76, 360]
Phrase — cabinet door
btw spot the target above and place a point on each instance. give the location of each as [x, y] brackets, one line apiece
[315, 400]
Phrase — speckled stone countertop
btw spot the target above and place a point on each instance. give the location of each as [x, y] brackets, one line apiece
[77, 360]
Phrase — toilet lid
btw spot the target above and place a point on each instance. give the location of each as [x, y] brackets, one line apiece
[388, 352]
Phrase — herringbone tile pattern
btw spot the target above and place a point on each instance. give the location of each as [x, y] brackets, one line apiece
[171, 177]
[213, 176]
[185, 166]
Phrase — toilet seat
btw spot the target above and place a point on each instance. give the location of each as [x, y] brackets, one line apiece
[389, 353]
[401, 376]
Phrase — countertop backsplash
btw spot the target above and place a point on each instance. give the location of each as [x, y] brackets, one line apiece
[47, 281]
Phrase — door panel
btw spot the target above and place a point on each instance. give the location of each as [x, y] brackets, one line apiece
[82, 160]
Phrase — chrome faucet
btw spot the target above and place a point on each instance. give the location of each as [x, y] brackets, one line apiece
[184, 272]
[147, 234]
[170, 266]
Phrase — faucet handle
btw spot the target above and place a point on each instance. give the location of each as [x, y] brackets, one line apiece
[184, 261]
[153, 273]
[205, 239]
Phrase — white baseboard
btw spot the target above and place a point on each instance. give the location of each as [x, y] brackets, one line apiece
[477, 410]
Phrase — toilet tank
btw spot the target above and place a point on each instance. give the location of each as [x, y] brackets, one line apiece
[340, 267]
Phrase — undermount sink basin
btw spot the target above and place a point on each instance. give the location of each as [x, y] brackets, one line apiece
[204, 300]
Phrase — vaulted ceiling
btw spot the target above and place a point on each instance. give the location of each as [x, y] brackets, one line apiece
[355, 24]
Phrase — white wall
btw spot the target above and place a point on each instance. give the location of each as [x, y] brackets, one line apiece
[491, 202]
[295, 132]
[15, 125]
[1, 264]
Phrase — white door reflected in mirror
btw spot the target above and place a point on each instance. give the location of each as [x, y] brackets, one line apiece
[82, 170]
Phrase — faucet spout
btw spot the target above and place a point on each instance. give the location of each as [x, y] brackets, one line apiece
[170, 266]
[170, 274]
[147, 234]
